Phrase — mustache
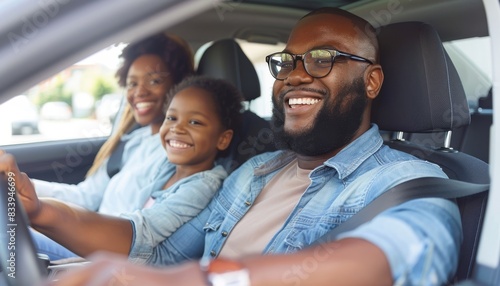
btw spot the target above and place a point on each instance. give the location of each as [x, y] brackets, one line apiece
[282, 93]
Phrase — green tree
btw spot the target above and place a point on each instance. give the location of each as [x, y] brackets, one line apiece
[56, 93]
[102, 86]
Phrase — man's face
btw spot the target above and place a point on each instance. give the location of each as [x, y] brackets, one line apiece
[314, 116]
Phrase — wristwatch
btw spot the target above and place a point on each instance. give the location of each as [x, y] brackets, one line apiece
[224, 272]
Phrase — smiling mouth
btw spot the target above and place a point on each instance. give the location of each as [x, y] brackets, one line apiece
[298, 102]
[178, 144]
[143, 105]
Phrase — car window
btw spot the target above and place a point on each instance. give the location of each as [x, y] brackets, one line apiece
[257, 53]
[81, 101]
[472, 58]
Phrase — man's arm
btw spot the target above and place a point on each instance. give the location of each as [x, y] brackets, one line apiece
[349, 261]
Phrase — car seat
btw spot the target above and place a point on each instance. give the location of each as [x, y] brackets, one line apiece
[473, 139]
[422, 93]
[477, 135]
[226, 60]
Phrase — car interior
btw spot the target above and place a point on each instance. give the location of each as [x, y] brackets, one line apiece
[226, 60]
[429, 97]
[423, 108]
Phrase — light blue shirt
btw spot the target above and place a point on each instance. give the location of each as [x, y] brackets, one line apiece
[122, 192]
[420, 238]
[175, 206]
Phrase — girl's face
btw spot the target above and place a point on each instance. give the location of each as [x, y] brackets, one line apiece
[192, 132]
[148, 81]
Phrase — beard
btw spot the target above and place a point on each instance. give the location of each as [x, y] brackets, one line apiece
[333, 127]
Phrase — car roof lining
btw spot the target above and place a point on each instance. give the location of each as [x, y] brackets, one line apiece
[274, 24]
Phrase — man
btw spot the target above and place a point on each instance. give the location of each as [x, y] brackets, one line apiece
[334, 164]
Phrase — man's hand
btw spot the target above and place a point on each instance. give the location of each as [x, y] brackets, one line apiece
[24, 187]
[111, 269]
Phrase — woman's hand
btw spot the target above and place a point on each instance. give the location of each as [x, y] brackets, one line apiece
[24, 188]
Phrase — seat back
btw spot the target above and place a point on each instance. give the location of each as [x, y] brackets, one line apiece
[422, 93]
[473, 139]
[476, 139]
[226, 60]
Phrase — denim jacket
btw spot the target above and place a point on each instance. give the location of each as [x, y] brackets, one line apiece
[420, 238]
[176, 205]
[120, 193]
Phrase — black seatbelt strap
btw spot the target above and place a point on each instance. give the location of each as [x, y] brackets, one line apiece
[427, 187]
[115, 160]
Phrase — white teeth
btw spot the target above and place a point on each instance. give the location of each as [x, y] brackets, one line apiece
[306, 101]
[177, 144]
[143, 105]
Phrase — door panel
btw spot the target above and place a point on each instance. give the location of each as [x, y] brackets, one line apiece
[57, 161]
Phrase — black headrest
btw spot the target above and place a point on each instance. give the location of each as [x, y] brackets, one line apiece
[422, 91]
[225, 59]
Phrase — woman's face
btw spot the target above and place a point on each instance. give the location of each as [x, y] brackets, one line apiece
[148, 81]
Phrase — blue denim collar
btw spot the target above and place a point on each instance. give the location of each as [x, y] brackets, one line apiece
[345, 162]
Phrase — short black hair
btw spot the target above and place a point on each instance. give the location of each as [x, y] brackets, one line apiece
[361, 24]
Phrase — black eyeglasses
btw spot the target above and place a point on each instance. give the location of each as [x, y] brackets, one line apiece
[318, 63]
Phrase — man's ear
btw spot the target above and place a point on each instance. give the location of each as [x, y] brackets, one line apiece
[225, 140]
[374, 77]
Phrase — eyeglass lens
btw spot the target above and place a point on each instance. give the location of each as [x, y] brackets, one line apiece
[317, 63]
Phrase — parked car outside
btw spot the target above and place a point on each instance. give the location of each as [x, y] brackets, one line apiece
[107, 107]
[56, 110]
[22, 115]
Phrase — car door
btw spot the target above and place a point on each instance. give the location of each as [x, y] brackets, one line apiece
[65, 161]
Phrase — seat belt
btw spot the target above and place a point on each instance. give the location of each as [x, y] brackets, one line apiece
[115, 159]
[426, 187]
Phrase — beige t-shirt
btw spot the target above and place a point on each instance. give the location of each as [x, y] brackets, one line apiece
[268, 213]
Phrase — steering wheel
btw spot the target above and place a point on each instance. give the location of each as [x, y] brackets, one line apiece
[18, 258]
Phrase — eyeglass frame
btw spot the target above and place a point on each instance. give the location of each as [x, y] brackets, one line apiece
[297, 57]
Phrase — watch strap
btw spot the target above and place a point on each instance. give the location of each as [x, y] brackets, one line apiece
[224, 272]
